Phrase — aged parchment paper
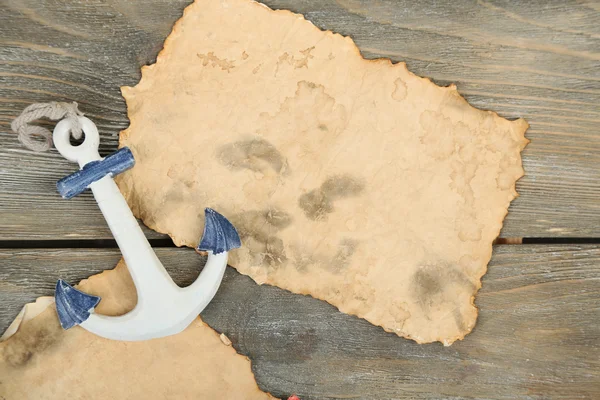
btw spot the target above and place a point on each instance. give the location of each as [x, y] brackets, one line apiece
[351, 180]
[42, 361]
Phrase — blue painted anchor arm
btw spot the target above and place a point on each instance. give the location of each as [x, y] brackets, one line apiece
[219, 234]
[72, 306]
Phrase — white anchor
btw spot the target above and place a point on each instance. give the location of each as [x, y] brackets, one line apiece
[163, 308]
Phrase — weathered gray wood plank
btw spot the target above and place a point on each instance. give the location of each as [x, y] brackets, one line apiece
[537, 60]
[538, 334]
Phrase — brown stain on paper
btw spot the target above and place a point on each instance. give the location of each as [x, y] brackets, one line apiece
[253, 154]
[32, 339]
[317, 203]
[371, 168]
[258, 231]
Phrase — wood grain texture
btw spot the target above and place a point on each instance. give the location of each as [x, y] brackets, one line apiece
[538, 334]
[537, 60]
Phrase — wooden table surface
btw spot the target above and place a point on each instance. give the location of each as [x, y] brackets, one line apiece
[538, 334]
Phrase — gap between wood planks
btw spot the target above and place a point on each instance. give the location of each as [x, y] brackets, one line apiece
[166, 242]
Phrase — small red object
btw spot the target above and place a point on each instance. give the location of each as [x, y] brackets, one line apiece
[294, 397]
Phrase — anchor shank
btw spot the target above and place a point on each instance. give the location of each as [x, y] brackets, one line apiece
[145, 268]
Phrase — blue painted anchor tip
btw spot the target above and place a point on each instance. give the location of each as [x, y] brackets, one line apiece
[72, 305]
[219, 234]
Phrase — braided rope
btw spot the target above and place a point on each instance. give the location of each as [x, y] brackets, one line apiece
[29, 135]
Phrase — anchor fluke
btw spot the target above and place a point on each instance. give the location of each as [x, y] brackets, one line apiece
[219, 234]
[72, 305]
